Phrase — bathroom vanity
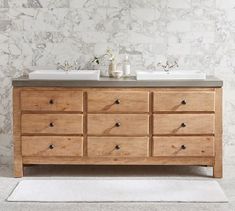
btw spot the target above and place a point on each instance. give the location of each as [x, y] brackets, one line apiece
[118, 122]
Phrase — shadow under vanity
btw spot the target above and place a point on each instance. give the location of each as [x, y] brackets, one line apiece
[118, 122]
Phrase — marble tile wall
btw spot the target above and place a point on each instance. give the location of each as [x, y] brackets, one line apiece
[200, 34]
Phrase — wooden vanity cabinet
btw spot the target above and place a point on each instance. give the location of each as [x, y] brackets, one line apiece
[117, 126]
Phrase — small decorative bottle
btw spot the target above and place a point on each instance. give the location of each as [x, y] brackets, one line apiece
[112, 67]
[126, 66]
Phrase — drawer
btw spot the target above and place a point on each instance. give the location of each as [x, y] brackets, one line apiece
[184, 101]
[118, 101]
[52, 124]
[183, 146]
[52, 100]
[176, 124]
[118, 124]
[52, 146]
[118, 146]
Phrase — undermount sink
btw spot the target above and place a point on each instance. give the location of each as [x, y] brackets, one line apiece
[171, 75]
[90, 75]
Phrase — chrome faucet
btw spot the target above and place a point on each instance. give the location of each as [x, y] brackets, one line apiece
[166, 67]
[76, 65]
[66, 67]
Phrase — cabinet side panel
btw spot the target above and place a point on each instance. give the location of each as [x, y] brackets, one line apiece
[218, 162]
[18, 166]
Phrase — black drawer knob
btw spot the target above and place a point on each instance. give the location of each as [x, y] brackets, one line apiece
[118, 124]
[117, 147]
[51, 146]
[183, 147]
[183, 102]
[183, 125]
[51, 124]
[117, 101]
[51, 101]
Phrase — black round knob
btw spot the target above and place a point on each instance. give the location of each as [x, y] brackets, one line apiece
[183, 147]
[183, 125]
[51, 124]
[51, 146]
[117, 147]
[51, 101]
[183, 102]
[117, 101]
[118, 124]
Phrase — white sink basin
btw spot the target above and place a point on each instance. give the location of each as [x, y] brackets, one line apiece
[92, 75]
[171, 75]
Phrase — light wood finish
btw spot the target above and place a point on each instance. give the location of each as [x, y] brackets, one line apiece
[118, 146]
[85, 124]
[183, 146]
[51, 100]
[218, 160]
[184, 124]
[198, 161]
[151, 124]
[144, 113]
[52, 146]
[194, 101]
[118, 101]
[130, 124]
[18, 165]
[52, 124]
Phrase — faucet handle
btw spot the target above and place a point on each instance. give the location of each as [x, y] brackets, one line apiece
[58, 66]
[76, 65]
[176, 64]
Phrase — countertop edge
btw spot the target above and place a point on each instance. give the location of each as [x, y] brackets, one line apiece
[112, 83]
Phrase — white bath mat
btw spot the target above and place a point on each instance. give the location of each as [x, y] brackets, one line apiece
[118, 190]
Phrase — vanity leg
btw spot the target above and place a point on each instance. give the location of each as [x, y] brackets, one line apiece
[218, 162]
[18, 169]
[217, 170]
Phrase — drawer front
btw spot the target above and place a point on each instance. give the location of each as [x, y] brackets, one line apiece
[52, 100]
[118, 124]
[176, 124]
[118, 101]
[118, 146]
[183, 146]
[52, 124]
[184, 101]
[52, 146]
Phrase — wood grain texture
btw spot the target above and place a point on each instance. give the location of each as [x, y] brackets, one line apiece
[171, 124]
[18, 165]
[85, 124]
[130, 124]
[218, 162]
[184, 146]
[184, 101]
[118, 146]
[142, 114]
[47, 146]
[151, 124]
[121, 160]
[118, 101]
[52, 100]
[52, 123]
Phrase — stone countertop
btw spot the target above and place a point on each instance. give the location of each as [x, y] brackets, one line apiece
[24, 81]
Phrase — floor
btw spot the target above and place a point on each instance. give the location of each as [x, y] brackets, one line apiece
[7, 183]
